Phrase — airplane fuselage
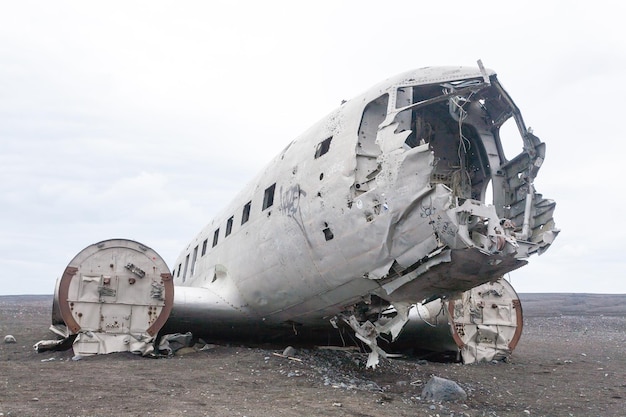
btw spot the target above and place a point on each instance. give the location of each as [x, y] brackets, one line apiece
[382, 198]
[380, 205]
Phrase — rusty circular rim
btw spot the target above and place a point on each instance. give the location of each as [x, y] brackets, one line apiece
[519, 317]
[61, 297]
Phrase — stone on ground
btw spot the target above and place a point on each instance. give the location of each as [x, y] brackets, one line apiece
[441, 389]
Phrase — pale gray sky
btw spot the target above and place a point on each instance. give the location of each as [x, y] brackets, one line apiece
[142, 120]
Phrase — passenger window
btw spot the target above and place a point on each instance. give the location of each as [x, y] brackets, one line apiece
[322, 147]
[268, 198]
[245, 216]
[193, 260]
[229, 226]
[216, 236]
[204, 244]
[186, 266]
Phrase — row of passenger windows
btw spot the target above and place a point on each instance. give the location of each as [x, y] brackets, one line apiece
[268, 201]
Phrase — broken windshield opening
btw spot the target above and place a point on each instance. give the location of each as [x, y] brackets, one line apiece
[460, 158]
[510, 140]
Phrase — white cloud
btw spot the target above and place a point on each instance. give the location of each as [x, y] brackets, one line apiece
[142, 119]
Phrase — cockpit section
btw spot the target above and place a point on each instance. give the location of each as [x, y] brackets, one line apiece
[461, 162]
[430, 154]
[458, 123]
[454, 120]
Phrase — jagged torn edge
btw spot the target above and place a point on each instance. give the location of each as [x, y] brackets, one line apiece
[368, 332]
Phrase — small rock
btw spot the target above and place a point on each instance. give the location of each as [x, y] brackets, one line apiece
[9, 339]
[337, 405]
[77, 358]
[441, 389]
[204, 346]
[289, 351]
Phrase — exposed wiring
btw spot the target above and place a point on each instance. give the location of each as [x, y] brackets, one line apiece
[464, 143]
[343, 342]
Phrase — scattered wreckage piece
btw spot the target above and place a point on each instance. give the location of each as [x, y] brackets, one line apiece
[114, 296]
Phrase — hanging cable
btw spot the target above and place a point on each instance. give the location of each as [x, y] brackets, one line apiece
[423, 319]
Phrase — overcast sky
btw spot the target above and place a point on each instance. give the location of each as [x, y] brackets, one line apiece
[142, 120]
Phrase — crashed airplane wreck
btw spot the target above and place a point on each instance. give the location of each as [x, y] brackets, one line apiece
[373, 221]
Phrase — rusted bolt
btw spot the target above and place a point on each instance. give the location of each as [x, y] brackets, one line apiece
[80, 315]
[111, 265]
[131, 281]
[494, 306]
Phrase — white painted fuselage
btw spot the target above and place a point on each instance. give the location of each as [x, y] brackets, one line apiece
[380, 203]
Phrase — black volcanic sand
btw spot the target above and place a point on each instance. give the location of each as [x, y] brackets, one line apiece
[571, 361]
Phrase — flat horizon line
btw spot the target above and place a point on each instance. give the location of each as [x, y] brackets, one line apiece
[519, 293]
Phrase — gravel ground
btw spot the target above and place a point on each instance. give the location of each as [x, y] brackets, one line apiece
[564, 365]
